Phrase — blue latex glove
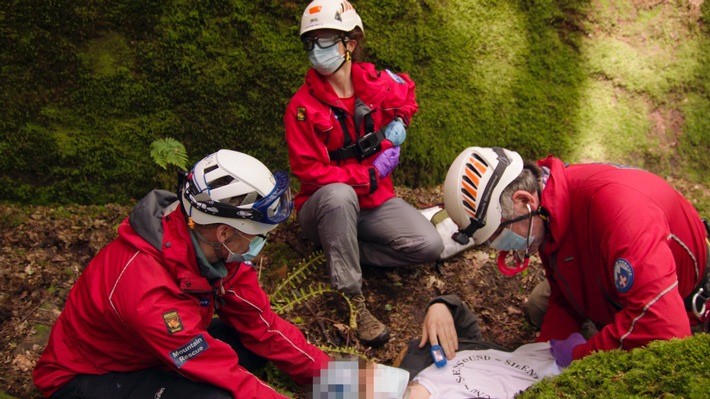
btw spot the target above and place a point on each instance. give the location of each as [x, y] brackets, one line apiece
[562, 349]
[395, 132]
[386, 161]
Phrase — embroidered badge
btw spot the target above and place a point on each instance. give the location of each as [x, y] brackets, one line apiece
[172, 322]
[204, 302]
[623, 275]
[181, 355]
[395, 77]
[301, 114]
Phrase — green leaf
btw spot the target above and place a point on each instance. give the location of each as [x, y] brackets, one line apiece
[168, 151]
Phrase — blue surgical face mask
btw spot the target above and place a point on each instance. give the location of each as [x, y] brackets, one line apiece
[508, 240]
[255, 246]
[326, 60]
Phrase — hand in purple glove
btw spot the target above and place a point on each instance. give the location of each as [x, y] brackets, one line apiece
[387, 161]
[562, 349]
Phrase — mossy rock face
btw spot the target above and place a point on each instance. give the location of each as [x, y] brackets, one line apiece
[89, 86]
[667, 369]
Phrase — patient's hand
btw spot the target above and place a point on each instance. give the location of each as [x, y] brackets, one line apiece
[439, 329]
[416, 391]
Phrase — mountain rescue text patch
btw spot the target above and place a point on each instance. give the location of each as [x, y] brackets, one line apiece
[172, 322]
[192, 349]
[623, 275]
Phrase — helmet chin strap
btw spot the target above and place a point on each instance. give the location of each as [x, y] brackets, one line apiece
[520, 265]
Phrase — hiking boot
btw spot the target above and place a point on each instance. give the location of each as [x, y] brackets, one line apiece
[370, 331]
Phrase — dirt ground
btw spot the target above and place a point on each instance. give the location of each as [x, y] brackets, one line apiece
[44, 249]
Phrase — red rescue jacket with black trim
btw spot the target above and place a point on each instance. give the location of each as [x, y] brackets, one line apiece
[312, 130]
[623, 249]
[142, 303]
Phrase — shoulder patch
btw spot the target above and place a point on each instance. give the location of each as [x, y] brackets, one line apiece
[301, 114]
[172, 322]
[623, 275]
[395, 77]
[192, 349]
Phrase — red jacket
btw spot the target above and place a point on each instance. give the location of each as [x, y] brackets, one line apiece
[136, 307]
[312, 130]
[623, 249]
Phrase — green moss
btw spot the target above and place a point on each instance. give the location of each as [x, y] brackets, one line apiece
[666, 369]
[107, 55]
[89, 85]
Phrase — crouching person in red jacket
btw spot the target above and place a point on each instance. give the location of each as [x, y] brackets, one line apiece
[138, 323]
[619, 245]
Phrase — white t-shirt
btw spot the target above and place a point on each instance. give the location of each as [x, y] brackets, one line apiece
[489, 373]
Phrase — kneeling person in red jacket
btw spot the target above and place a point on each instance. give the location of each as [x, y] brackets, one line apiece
[620, 246]
[138, 323]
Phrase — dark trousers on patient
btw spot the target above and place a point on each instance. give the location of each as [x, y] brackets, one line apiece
[158, 383]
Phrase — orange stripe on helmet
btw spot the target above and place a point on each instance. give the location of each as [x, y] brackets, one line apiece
[481, 168]
[472, 176]
[346, 6]
[314, 10]
[469, 190]
[471, 204]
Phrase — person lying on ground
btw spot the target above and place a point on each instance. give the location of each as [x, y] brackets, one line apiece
[478, 368]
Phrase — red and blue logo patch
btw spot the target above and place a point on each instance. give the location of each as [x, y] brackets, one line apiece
[623, 275]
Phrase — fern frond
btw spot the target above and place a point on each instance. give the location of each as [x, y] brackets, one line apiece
[304, 271]
[168, 151]
[302, 285]
[286, 303]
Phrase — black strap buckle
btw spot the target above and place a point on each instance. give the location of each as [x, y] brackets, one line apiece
[365, 146]
[369, 144]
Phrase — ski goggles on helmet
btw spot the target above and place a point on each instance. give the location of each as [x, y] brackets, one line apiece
[273, 208]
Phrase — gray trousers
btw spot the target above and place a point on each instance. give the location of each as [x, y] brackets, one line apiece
[393, 234]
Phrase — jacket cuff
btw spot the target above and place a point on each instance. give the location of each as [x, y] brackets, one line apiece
[451, 301]
[581, 351]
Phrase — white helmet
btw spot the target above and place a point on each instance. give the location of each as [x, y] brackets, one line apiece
[330, 14]
[472, 190]
[236, 189]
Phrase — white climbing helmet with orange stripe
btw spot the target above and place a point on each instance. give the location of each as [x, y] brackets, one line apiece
[330, 14]
[472, 190]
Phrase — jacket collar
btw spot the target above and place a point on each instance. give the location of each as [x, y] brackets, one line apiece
[368, 87]
[556, 202]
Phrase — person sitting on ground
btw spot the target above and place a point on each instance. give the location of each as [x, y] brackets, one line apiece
[344, 127]
[619, 245]
[479, 368]
[139, 323]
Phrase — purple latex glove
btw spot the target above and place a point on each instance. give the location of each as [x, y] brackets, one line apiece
[562, 349]
[387, 161]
